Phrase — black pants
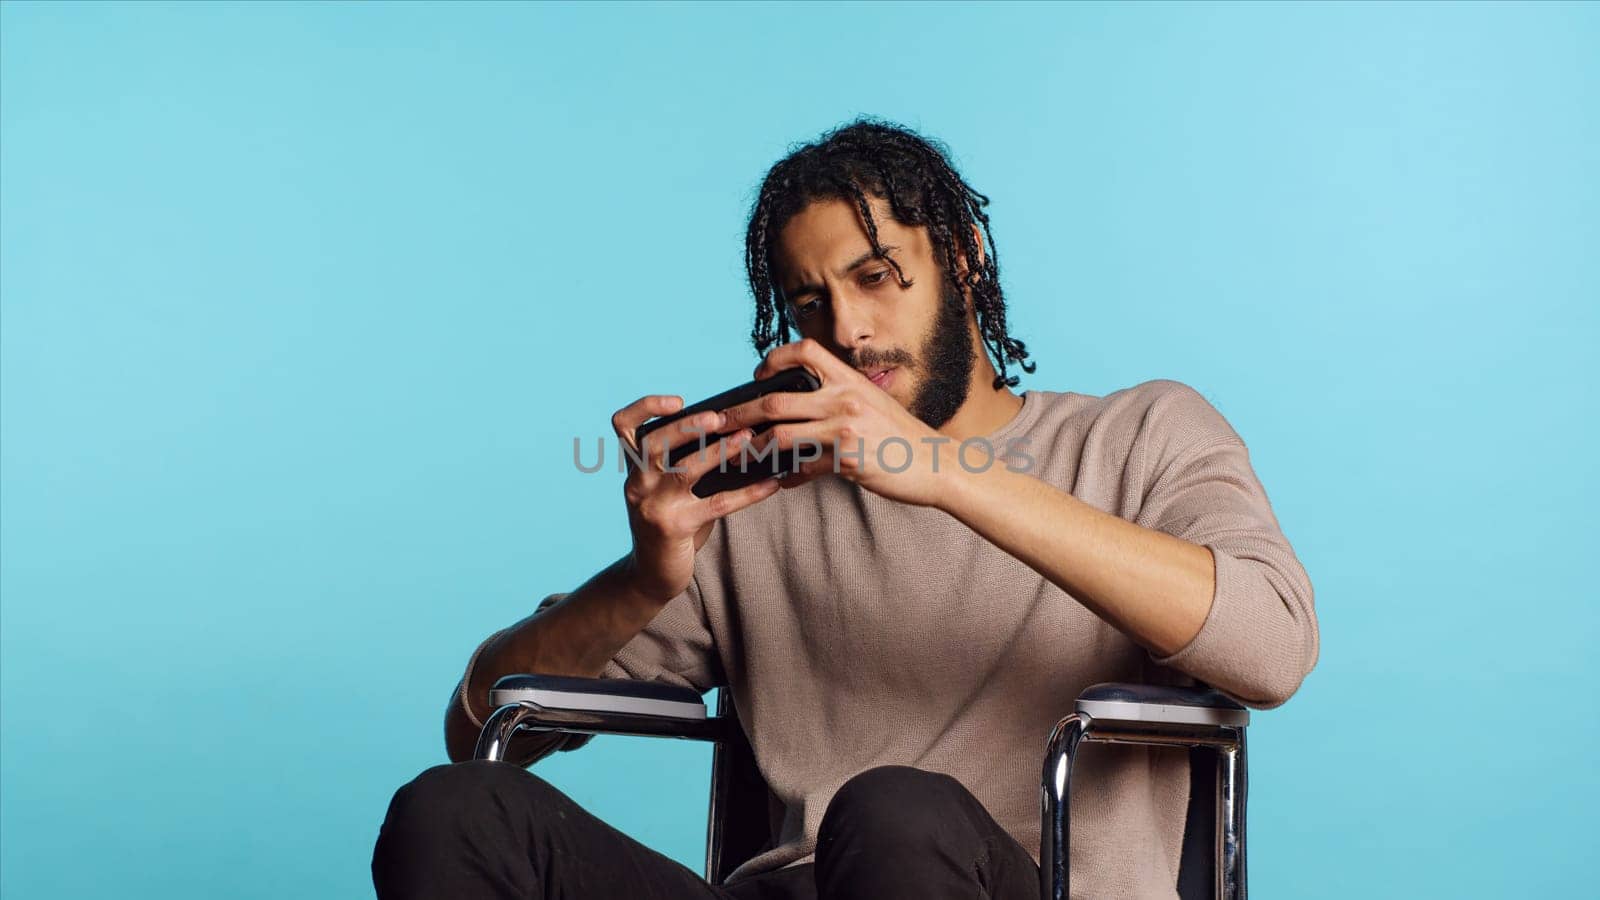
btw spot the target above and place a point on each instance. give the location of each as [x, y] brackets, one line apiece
[491, 830]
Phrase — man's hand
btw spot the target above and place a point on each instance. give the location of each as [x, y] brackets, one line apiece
[669, 523]
[861, 432]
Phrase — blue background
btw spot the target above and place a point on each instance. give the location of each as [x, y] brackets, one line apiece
[303, 306]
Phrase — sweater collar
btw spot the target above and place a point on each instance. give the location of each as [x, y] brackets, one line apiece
[1020, 422]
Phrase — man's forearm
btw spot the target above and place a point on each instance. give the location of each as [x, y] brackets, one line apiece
[1152, 586]
[576, 636]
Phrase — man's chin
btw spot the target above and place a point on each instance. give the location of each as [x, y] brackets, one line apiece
[902, 388]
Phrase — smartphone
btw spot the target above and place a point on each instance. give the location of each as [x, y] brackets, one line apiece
[738, 471]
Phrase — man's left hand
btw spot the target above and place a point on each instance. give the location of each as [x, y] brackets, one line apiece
[862, 432]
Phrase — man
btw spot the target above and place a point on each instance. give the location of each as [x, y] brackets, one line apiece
[903, 619]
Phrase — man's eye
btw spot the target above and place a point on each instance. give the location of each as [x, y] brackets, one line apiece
[806, 309]
[876, 277]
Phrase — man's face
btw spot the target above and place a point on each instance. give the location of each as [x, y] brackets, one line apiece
[852, 303]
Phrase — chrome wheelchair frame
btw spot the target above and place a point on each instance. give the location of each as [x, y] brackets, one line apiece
[1197, 718]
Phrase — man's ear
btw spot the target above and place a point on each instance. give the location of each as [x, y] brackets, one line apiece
[961, 258]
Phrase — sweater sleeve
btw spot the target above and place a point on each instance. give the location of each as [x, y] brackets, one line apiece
[1259, 640]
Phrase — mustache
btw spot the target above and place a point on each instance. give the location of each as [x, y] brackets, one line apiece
[872, 359]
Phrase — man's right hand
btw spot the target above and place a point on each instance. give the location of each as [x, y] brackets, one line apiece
[669, 523]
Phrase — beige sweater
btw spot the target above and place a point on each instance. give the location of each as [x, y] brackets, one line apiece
[857, 631]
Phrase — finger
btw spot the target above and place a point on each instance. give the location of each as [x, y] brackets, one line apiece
[697, 430]
[805, 474]
[627, 419]
[812, 470]
[824, 432]
[700, 426]
[780, 406]
[809, 354]
[721, 504]
[700, 462]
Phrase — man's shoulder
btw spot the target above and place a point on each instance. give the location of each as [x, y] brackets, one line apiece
[1163, 414]
[1175, 418]
[1162, 392]
[1166, 399]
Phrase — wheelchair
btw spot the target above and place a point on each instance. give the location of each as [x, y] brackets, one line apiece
[1203, 720]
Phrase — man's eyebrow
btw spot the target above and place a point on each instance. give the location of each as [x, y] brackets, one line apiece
[858, 262]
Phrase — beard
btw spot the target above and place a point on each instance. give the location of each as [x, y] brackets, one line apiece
[946, 362]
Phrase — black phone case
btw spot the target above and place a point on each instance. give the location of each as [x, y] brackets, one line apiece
[737, 472]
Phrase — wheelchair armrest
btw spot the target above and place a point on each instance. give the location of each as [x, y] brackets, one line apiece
[593, 706]
[600, 695]
[1171, 704]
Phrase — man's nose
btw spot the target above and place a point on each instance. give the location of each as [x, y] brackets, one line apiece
[852, 324]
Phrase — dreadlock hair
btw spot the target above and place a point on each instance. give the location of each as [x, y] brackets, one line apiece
[913, 174]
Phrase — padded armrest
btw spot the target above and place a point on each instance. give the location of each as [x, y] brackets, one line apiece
[594, 706]
[600, 695]
[1198, 705]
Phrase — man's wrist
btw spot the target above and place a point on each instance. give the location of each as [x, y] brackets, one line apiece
[956, 486]
[636, 591]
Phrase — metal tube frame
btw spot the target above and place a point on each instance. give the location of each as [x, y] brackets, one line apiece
[513, 717]
[506, 721]
[1060, 751]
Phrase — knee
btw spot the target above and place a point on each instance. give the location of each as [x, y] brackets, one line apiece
[893, 807]
[444, 797]
[451, 818]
